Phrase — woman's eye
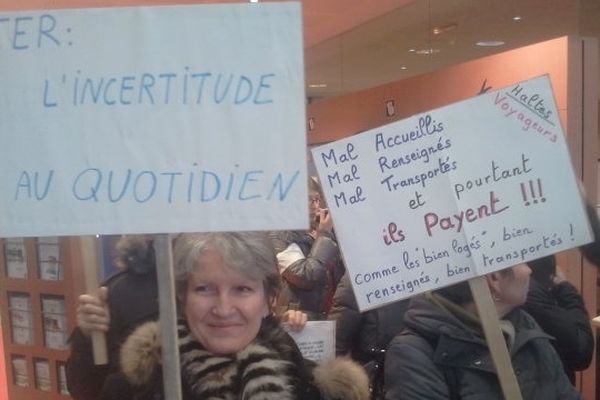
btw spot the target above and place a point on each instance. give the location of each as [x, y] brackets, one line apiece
[245, 289]
[202, 289]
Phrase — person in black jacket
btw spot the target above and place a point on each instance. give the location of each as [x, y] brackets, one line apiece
[558, 308]
[591, 251]
[443, 354]
[365, 336]
[126, 300]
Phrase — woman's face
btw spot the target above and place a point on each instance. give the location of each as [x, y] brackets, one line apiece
[314, 203]
[223, 308]
[513, 288]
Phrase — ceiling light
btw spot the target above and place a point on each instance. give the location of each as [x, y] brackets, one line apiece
[411, 50]
[443, 29]
[253, 1]
[490, 43]
[403, 68]
[426, 52]
[317, 85]
[516, 18]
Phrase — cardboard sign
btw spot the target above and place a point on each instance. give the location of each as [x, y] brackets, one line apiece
[152, 119]
[453, 193]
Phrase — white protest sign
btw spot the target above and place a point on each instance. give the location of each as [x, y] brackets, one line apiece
[316, 340]
[453, 193]
[152, 119]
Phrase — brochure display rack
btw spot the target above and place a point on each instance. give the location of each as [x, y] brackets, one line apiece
[38, 290]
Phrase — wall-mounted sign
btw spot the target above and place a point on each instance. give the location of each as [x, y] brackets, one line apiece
[390, 108]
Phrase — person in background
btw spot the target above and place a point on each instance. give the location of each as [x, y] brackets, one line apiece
[443, 354]
[558, 308]
[126, 300]
[365, 336]
[309, 261]
[230, 344]
[591, 251]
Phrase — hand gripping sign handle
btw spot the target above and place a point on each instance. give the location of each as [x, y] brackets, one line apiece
[89, 257]
[495, 340]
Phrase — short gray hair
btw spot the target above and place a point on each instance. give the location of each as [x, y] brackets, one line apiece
[460, 293]
[250, 253]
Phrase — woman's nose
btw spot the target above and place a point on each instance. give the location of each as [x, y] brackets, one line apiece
[223, 305]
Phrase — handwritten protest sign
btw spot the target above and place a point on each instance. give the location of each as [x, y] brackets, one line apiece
[152, 119]
[454, 193]
[316, 340]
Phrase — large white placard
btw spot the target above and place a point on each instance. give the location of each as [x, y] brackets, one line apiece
[152, 119]
[453, 193]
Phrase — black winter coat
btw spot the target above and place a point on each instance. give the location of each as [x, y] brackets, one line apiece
[363, 335]
[591, 251]
[439, 357]
[560, 312]
[132, 300]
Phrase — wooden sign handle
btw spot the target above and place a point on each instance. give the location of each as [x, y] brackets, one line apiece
[89, 255]
[495, 340]
[168, 317]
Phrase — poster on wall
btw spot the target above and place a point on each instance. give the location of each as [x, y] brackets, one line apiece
[152, 119]
[453, 193]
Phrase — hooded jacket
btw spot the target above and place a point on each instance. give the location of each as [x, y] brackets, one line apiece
[270, 367]
[439, 356]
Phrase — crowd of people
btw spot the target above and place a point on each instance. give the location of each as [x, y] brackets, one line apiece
[236, 291]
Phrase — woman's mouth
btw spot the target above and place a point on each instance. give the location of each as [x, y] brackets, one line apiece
[223, 325]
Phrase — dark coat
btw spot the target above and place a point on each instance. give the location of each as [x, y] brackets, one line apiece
[591, 251]
[271, 367]
[132, 300]
[363, 335]
[439, 357]
[560, 312]
[310, 281]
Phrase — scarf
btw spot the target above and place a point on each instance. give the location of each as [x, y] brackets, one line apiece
[262, 370]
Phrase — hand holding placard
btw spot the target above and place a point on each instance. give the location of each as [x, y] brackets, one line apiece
[89, 258]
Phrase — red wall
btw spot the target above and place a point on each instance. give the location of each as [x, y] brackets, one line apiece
[356, 112]
[3, 387]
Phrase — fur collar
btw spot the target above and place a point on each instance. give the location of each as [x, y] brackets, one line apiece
[269, 368]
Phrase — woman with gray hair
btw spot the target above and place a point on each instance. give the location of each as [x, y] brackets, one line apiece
[231, 346]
